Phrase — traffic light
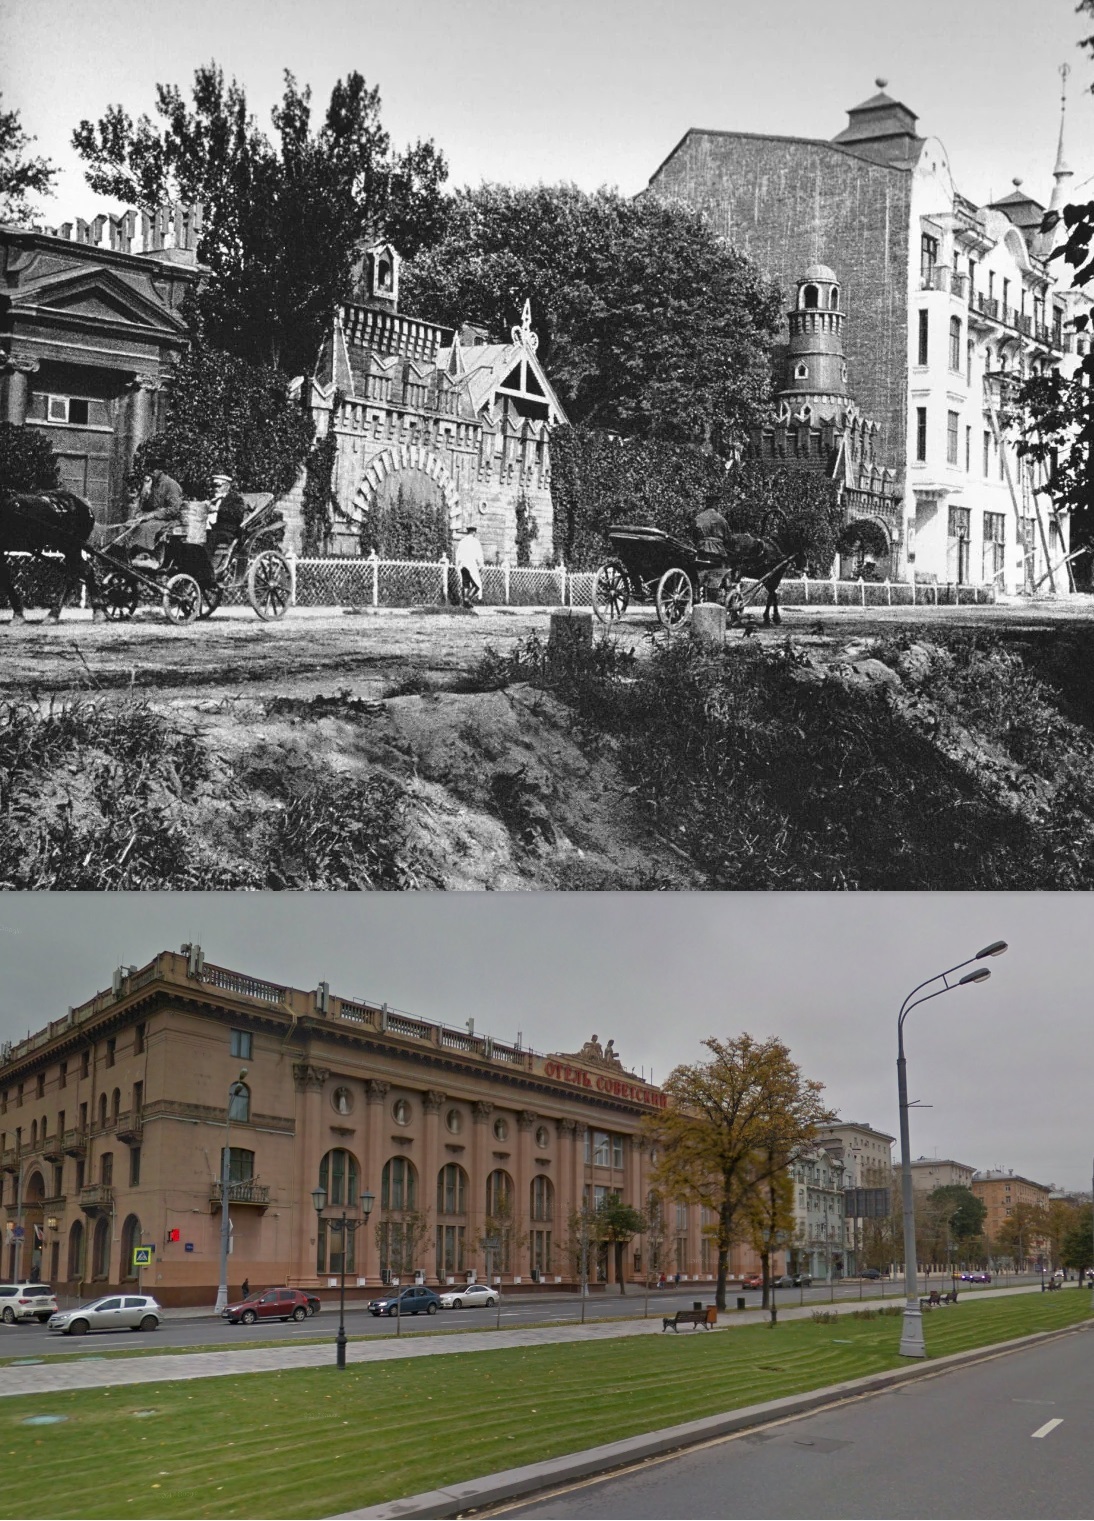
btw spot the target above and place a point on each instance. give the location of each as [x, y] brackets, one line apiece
[173, 1235]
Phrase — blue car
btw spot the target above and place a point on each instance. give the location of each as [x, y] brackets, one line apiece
[416, 1299]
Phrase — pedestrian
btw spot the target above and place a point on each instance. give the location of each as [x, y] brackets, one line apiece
[661, 1281]
[678, 1279]
[469, 566]
[246, 1287]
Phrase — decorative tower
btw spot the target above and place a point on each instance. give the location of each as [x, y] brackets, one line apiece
[816, 371]
[1045, 242]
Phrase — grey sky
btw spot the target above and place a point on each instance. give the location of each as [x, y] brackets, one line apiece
[594, 91]
[1006, 1064]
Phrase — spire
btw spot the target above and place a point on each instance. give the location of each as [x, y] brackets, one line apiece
[1045, 242]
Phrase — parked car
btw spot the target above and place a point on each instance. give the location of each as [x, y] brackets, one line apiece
[416, 1299]
[785, 1281]
[753, 1281]
[872, 1273]
[803, 1281]
[472, 1295]
[269, 1304]
[113, 1312]
[26, 1301]
[315, 1304]
[976, 1277]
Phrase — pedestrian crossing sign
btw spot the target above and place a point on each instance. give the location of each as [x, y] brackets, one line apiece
[142, 1256]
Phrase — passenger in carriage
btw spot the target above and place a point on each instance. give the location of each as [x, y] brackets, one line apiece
[161, 509]
[227, 513]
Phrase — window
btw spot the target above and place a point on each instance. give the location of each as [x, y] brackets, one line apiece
[969, 347]
[452, 1190]
[601, 1149]
[1058, 327]
[921, 434]
[138, 1100]
[115, 1105]
[138, 1040]
[617, 1151]
[450, 1245]
[542, 1198]
[40, 1085]
[62, 1076]
[241, 1165]
[928, 255]
[968, 449]
[1006, 298]
[499, 1193]
[134, 1166]
[987, 450]
[924, 321]
[955, 344]
[681, 1217]
[68, 409]
[338, 1176]
[111, 1050]
[102, 1111]
[239, 1104]
[106, 1168]
[85, 1063]
[398, 1185]
[239, 1044]
[541, 1251]
[972, 274]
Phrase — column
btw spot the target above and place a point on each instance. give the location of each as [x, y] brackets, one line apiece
[376, 1092]
[430, 1162]
[17, 368]
[522, 1174]
[309, 1082]
[477, 1173]
[567, 1190]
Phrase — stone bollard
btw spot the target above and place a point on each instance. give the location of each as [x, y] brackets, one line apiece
[571, 630]
[708, 625]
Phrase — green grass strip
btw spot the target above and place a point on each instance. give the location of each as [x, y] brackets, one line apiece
[313, 1442]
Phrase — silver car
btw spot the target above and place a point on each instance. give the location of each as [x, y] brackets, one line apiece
[471, 1294]
[114, 1312]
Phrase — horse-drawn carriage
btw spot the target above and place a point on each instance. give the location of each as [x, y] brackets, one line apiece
[651, 565]
[194, 577]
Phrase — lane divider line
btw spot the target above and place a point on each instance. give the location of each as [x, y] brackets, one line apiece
[1043, 1431]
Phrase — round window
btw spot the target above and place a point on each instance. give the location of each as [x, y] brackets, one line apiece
[543, 1138]
[342, 1099]
[501, 1130]
[401, 1112]
[454, 1121]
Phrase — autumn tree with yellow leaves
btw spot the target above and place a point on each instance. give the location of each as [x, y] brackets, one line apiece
[732, 1123]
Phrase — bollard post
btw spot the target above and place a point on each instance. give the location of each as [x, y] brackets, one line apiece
[708, 625]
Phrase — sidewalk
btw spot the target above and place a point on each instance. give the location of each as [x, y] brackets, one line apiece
[90, 1372]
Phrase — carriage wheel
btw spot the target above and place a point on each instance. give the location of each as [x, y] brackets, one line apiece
[611, 592]
[120, 594]
[210, 599]
[269, 584]
[182, 599]
[675, 596]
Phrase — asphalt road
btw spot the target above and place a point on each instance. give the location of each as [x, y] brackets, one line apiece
[1010, 1437]
[204, 1330]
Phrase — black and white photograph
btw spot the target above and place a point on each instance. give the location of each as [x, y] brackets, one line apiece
[546, 758]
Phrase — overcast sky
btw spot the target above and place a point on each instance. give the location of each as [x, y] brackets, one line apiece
[1006, 1064]
[591, 91]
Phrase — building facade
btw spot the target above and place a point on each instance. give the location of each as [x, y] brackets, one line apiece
[953, 303]
[819, 1246]
[865, 1155]
[1002, 1193]
[452, 424]
[114, 1118]
[929, 1173]
[90, 323]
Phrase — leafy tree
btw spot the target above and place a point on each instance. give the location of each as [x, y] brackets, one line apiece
[283, 225]
[799, 510]
[732, 1122]
[655, 1234]
[1020, 1232]
[578, 1244]
[20, 177]
[226, 414]
[769, 1212]
[500, 1228]
[648, 323]
[27, 461]
[617, 1223]
[1076, 1250]
[401, 1234]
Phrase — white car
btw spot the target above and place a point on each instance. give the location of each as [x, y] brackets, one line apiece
[114, 1312]
[472, 1295]
[26, 1301]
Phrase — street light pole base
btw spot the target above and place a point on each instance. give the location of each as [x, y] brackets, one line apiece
[340, 1346]
[911, 1336]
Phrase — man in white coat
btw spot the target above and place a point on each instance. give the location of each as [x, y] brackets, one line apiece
[469, 564]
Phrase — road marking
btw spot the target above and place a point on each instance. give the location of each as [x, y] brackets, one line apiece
[1043, 1431]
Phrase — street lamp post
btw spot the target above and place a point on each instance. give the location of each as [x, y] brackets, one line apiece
[911, 1339]
[347, 1228]
[235, 1090]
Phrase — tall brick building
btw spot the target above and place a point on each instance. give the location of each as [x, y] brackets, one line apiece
[951, 301]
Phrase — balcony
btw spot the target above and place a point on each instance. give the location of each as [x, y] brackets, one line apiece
[75, 1143]
[52, 1150]
[97, 1198]
[983, 310]
[130, 1127]
[256, 1194]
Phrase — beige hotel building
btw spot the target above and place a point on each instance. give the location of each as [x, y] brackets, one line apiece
[113, 1119]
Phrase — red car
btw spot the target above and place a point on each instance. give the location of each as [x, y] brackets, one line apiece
[272, 1304]
[753, 1281]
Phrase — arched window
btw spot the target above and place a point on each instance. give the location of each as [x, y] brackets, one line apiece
[801, 371]
[452, 1190]
[76, 1252]
[239, 1104]
[398, 1186]
[338, 1175]
[131, 1238]
[100, 1250]
[543, 1198]
[499, 1193]
[809, 296]
[833, 299]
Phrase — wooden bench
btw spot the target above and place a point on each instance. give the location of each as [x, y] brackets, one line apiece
[936, 1298]
[705, 1318]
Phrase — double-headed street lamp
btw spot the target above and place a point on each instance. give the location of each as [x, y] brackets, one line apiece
[236, 1091]
[911, 1339]
[347, 1228]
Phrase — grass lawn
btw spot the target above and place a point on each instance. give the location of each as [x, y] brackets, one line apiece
[313, 1442]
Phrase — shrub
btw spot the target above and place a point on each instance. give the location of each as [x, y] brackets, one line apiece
[27, 461]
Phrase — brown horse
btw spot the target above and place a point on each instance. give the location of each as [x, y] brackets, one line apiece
[36, 523]
[759, 560]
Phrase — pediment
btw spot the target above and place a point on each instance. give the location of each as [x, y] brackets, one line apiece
[99, 295]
